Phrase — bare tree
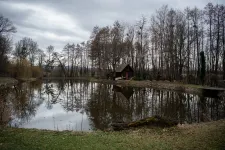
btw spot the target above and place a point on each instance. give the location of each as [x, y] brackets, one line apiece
[41, 57]
[50, 50]
[6, 26]
[26, 48]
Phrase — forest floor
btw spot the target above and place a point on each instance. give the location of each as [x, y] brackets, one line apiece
[209, 135]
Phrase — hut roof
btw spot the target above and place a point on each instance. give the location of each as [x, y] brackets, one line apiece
[121, 67]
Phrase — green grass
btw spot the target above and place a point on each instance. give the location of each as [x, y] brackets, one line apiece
[199, 136]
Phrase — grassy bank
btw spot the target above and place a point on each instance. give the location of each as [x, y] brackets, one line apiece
[6, 81]
[161, 85]
[199, 136]
[27, 79]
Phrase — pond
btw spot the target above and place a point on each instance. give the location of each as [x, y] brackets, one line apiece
[86, 106]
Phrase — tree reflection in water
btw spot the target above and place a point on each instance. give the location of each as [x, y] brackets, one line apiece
[80, 105]
[18, 104]
[113, 104]
[5, 111]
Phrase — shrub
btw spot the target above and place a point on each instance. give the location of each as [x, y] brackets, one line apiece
[36, 72]
[212, 79]
[23, 69]
[137, 78]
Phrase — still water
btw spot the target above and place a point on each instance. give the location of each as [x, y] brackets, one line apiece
[86, 106]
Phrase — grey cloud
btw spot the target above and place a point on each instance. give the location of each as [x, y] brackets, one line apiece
[13, 14]
[86, 14]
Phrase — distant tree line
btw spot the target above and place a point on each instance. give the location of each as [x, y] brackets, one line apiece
[185, 45]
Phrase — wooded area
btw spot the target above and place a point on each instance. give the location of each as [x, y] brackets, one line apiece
[186, 45]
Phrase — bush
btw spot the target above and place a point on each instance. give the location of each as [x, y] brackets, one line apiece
[12, 70]
[212, 79]
[134, 78]
[23, 69]
[137, 78]
[36, 72]
[191, 79]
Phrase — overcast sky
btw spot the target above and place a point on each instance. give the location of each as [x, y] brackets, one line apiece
[57, 22]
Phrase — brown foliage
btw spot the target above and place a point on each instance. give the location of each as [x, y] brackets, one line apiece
[23, 69]
[212, 79]
[36, 72]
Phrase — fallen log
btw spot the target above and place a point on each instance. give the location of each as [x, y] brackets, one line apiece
[150, 121]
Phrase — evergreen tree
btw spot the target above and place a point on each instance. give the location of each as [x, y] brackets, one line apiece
[202, 75]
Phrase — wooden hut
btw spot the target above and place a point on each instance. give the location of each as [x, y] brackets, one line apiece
[124, 71]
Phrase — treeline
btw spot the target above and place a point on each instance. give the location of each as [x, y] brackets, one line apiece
[27, 60]
[166, 46]
[18, 63]
[186, 45]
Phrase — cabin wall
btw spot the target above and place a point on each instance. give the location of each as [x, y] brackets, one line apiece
[118, 74]
[124, 73]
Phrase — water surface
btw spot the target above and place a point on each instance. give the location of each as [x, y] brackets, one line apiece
[85, 106]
